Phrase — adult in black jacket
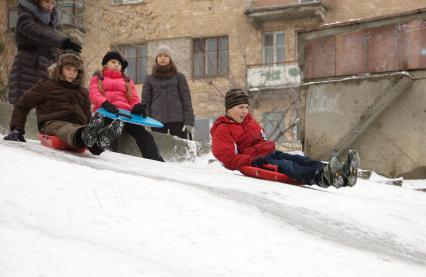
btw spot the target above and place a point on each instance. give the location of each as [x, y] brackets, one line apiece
[167, 97]
[35, 36]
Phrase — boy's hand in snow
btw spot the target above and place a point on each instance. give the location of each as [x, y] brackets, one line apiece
[15, 135]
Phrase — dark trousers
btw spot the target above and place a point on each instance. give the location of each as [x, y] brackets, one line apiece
[143, 138]
[174, 128]
[300, 168]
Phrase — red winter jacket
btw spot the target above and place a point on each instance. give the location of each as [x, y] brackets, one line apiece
[237, 144]
[115, 90]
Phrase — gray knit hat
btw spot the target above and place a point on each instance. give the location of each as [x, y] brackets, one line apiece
[235, 97]
[164, 49]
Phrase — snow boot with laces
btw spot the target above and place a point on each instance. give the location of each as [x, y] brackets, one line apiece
[110, 133]
[90, 132]
[331, 175]
[349, 168]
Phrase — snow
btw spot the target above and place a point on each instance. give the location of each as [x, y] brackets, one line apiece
[66, 214]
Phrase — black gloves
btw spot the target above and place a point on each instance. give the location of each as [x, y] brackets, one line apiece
[258, 162]
[110, 107]
[69, 45]
[16, 135]
[139, 109]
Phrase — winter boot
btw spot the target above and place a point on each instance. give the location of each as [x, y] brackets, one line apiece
[349, 168]
[90, 132]
[110, 133]
[331, 175]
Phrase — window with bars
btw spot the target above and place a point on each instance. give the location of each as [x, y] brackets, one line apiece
[211, 57]
[137, 58]
[274, 125]
[273, 47]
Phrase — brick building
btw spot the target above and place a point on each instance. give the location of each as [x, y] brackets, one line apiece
[217, 44]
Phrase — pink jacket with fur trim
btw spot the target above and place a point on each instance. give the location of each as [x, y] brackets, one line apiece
[115, 90]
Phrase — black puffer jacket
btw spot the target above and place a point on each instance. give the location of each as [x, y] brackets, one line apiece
[36, 36]
[167, 97]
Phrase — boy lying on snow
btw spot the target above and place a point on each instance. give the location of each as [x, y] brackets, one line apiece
[238, 140]
[63, 109]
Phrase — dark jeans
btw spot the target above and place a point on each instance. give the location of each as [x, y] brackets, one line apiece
[174, 128]
[144, 140]
[300, 168]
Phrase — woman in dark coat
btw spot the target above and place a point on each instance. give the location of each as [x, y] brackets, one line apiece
[167, 97]
[36, 36]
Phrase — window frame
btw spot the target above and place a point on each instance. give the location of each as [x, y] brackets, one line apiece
[274, 45]
[123, 49]
[270, 123]
[204, 60]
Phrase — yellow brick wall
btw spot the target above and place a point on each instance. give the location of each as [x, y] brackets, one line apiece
[187, 19]
[165, 20]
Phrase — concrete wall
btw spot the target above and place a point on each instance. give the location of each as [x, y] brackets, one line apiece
[393, 145]
[171, 148]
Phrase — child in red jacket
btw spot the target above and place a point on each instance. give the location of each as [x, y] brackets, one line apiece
[238, 140]
[111, 89]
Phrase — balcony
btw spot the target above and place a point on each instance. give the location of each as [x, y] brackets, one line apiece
[261, 11]
[273, 76]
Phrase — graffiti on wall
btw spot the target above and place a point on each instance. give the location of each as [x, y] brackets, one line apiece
[273, 76]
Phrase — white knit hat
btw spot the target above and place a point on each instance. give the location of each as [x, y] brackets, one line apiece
[164, 49]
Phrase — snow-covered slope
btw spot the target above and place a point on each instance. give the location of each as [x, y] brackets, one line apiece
[65, 214]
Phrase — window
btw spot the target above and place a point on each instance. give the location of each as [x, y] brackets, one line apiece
[211, 57]
[274, 125]
[273, 47]
[137, 58]
[12, 18]
[72, 13]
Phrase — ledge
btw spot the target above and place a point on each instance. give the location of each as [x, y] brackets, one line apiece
[284, 12]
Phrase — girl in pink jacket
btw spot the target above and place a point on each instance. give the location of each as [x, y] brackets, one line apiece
[111, 89]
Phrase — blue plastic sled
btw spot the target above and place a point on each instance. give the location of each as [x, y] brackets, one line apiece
[126, 116]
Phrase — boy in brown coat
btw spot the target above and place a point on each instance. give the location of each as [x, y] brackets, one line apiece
[63, 109]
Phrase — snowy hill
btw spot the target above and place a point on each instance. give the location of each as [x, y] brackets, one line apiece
[65, 214]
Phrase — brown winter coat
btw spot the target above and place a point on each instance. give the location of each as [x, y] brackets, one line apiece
[54, 99]
[35, 39]
[167, 96]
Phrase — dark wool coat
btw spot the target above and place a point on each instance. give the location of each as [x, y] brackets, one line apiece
[35, 39]
[237, 144]
[54, 99]
[167, 97]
